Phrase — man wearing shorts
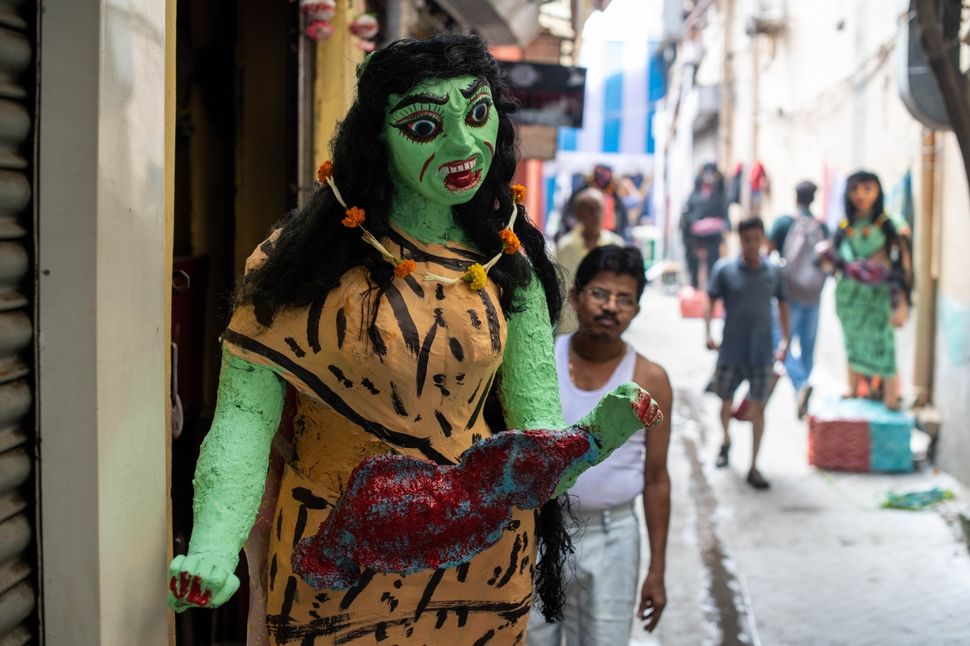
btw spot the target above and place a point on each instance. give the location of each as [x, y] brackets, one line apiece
[747, 284]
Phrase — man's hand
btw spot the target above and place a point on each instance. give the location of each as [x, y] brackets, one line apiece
[711, 343]
[782, 350]
[653, 600]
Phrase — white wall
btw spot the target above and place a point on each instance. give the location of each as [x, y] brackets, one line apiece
[952, 375]
[828, 97]
[102, 319]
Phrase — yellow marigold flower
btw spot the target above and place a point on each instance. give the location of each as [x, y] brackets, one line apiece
[355, 217]
[475, 277]
[404, 268]
[844, 224]
[510, 240]
[518, 193]
[324, 171]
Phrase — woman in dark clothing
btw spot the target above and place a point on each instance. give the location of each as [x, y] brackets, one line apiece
[703, 224]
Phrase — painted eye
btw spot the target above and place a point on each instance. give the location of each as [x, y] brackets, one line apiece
[478, 115]
[421, 127]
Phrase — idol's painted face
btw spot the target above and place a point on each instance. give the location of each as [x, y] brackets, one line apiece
[863, 196]
[441, 137]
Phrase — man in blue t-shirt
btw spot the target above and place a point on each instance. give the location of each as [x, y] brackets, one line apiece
[746, 284]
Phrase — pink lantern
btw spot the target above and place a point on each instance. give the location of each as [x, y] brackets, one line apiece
[319, 30]
[364, 26]
[318, 10]
[366, 45]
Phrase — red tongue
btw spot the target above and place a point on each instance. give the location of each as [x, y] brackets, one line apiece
[463, 179]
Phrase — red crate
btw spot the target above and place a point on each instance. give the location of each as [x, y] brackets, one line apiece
[840, 445]
[693, 301]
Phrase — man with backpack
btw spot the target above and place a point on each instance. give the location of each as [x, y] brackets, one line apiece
[795, 238]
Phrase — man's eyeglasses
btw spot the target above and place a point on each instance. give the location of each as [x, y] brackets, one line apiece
[603, 296]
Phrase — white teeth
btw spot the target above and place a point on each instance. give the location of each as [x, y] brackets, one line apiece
[460, 167]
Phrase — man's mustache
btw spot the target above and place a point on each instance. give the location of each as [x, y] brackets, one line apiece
[605, 317]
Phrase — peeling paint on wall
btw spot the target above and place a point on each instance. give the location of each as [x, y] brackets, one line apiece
[953, 321]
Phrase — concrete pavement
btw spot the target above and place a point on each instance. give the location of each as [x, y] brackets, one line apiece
[813, 560]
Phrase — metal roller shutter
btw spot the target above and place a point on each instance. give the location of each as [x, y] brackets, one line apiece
[17, 565]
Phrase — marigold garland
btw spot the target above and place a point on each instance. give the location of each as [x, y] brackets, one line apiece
[324, 171]
[404, 268]
[866, 229]
[510, 240]
[476, 277]
[355, 217]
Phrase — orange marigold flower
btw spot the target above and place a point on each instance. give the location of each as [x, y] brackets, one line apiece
[865, 231]
[355, 217]
[404, 268]
[324, 171]
[518, 193]
[510, 240]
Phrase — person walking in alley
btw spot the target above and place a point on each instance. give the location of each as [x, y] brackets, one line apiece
[615, 214]
[573, 247]
[704, 223]
[601, 597]
[747, 284]
[795, 238]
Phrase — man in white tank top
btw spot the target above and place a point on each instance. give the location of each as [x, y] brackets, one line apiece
[602, 597]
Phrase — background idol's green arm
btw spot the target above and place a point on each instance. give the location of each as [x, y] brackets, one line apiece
[529, 388]
[230, 476]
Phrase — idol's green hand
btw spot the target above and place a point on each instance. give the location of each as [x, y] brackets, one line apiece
[199, 582]
[621, 413]
[229, 481]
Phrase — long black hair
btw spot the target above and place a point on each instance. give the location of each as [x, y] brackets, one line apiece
[314, 250]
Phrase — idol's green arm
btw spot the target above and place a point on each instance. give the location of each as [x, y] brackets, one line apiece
[529, 387]
[229, 480]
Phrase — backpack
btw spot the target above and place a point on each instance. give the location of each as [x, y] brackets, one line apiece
[800, 271]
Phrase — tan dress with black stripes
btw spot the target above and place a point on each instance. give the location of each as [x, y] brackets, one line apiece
[413, 384]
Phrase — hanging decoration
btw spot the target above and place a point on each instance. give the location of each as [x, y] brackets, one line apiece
[365, 27]
[320, 13]
[319, 10]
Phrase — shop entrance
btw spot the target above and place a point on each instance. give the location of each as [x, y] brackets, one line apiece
[237, 134]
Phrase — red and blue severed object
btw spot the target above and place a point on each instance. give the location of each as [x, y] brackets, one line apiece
[402, 514]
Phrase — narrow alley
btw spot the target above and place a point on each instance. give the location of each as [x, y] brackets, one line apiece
[814, 559]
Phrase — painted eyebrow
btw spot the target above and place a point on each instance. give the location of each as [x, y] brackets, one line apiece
[411, 99]
[469, 91]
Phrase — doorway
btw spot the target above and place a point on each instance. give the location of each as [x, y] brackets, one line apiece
[237, 130]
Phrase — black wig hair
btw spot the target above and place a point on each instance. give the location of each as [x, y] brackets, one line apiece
[314, 250]
[862, 177]
[623, 261]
